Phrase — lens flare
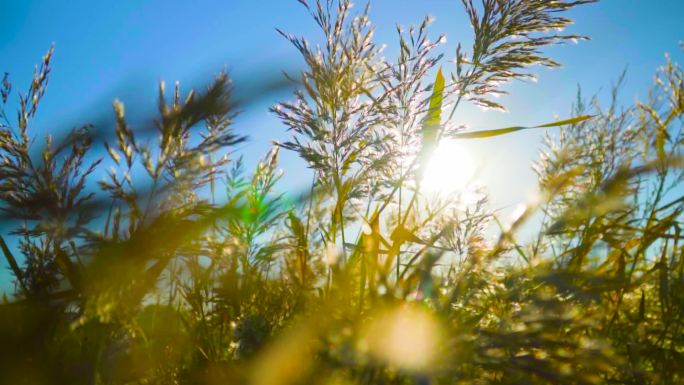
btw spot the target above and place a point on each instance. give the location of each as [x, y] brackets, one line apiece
[450, 170]
[406, 337]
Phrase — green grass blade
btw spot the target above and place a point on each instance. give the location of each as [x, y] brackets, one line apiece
[507, 130]
[434, 116]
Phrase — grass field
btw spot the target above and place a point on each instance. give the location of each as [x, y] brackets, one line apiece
[165, 261]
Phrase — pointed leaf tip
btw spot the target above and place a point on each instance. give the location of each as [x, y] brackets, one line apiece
[507, 130]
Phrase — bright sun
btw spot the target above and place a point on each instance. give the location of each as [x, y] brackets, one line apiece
[450, 170]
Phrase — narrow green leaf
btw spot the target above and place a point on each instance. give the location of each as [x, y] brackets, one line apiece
[507, 130]
[575, 120]
[434, 115]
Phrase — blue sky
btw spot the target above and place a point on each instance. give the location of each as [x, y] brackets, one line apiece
[121, 49]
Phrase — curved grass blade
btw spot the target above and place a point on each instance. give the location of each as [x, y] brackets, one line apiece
[507, 130]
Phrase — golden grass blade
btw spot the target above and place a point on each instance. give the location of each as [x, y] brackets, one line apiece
[507, 130]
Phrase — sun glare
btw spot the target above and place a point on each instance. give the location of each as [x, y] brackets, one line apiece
[450, 170]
